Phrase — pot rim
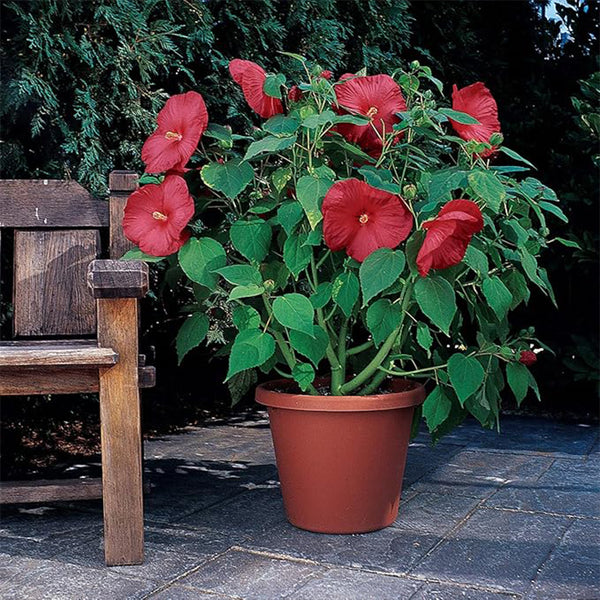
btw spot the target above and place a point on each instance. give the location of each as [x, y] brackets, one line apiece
[267, 396]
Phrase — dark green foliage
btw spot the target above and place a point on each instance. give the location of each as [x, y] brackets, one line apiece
[82, 81]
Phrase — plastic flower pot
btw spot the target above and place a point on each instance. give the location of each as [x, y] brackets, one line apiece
[341, 459]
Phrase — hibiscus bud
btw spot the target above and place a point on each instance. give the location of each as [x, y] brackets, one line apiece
[326, 74]
[507, 352]
[269, 285]
[527, 358]
[306, 111]
[415, 64]
[410, 191]
[496, 139]
[220, 161]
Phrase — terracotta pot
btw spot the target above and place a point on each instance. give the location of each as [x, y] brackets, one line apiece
[341, 458]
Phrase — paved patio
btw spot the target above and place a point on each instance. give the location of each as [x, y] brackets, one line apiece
[483, 517]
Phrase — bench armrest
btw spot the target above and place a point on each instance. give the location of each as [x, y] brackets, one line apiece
[118, 278]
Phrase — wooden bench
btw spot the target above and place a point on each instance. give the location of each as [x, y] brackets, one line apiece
[67, 340]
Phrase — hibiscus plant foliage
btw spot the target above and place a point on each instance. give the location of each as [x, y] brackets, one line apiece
[364, 230]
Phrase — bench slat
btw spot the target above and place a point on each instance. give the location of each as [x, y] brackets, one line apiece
[57, 356]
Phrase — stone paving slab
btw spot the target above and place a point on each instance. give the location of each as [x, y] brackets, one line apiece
[483, 517]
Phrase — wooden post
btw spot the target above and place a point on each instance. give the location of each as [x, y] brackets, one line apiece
[121, 184]
[121, 434]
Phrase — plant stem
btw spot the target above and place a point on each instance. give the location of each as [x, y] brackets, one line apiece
[359, 349]
[342, 348]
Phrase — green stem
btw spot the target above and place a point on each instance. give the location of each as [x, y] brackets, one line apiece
[342, 348]
[359, 349]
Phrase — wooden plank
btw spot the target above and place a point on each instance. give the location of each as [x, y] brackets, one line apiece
[60, 380]
[57, 356]
[50, 292]
[120, 428]
[121, 184]
[44, 490]
[118, 278]
[49, 203]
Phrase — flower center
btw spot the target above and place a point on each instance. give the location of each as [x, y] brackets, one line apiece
[159, 216]
[173, 135]
[372, 112]
[363, 219]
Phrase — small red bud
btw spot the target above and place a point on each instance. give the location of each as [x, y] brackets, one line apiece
[326, 75]
[527, 358]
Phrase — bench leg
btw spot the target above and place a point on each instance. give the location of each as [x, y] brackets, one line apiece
[121, 434]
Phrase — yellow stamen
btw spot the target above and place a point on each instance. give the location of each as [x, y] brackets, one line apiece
[363, 219]
[173, 135]
[159, 216]
[372, 112]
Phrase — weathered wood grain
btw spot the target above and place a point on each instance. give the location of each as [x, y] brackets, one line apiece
[57, 356]
[121, 434]
[118, 278]
[49, 203]
[50, 294]
[43, 490]
[121, 184]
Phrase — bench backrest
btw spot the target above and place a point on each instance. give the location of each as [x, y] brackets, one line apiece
[56, 229]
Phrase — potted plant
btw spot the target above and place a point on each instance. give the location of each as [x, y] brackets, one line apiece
[365, 241]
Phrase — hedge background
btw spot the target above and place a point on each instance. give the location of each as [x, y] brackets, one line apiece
[83, 79]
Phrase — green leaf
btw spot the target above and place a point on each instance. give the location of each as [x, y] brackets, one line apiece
[200, 258]
[191, 333]
[413, 245]
[564, 242]
[294, 311]
[517, 376]
[240, 384]
[383, 318]
[251, 348]
[530, 266]
[220, 133]
[269, 145]
[251, 238]
[517, 286]
[345, 292]
[137, 254]
[295, 254]
[379, 271]
[322, 295]
[314, 348]
[479, 407]
[436, 299]
[443, 182]
[277, 272]
[466, 375]
[272, 85]
[477, 261]
[310, 192]
[246, 291]
[459, 117]
[498, 296]
[487, 187]
[289, 215]
[241, 275]
[229, 178]
[555, 210]
[424, 337]
[281, 176]
[303, 374]
[515, 156]
[436, 408]
[246, 317]
[281, 125]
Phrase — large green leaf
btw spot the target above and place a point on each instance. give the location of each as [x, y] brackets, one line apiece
[241, 274]
[289, 215]
[314, 348]
[322, 295]
[246, 317]
[497, 295]
[191, 333]
[272, 85]
[200, 258]
[251, 238]
[251, 348]
[466, 375]
[459, 117]
[517, 376]
[435, 297]
[303, 374]
[295, 254]
[379, 271]
[477, 261]
[436, 408]
[345, 292]
[229, 178]
[294, 311]
[246, 291]
[137, 254]
[269, 145]
[424, 337]
[383, 318]
[310, 192]
[281, 125]
[487, 186]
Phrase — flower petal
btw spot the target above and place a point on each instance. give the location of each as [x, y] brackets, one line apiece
[251, 77]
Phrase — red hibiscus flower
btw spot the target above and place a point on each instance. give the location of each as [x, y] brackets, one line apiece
[527, 358]
[156, 216]
[377, 97]
[477, 101]
[181, 122]
[251, 78]
[361, 218]
[448, 235]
